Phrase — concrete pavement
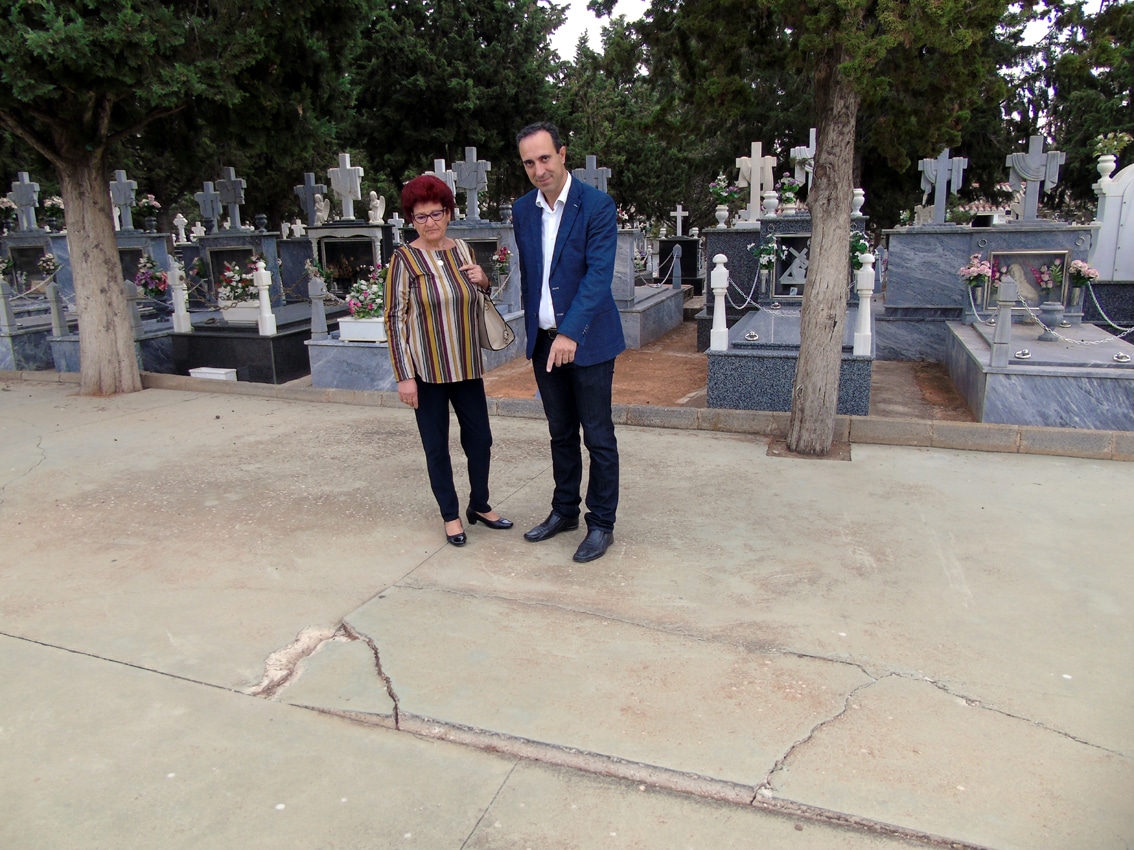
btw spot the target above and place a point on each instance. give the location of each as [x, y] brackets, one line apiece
[233, 621]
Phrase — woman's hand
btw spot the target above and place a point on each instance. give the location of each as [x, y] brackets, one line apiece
[407, 392]
[476, 276]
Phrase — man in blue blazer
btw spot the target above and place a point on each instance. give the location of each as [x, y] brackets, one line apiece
[566, 234]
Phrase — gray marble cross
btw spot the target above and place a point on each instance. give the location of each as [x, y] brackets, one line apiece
[346, 180]
[307, 193]
[804, 159]
[936, 176]
[210, 203]
[1032, 167]
[122, 193]
[231, 190]
[592, 175]
[471, 177]
[25, 194]
[679, 214]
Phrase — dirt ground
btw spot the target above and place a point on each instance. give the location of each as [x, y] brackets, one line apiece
[671, 372]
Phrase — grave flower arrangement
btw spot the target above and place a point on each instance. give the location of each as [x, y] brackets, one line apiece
[367, 297]
[789, 189]
[1080, 274]
[767, 254]
[7, 266]
[722, 191]
[1111, 144]
[977, 272]
[148, 206]
[859, 245]
[151, 279]
[1048, 276]
[199, 269]
[54, 204]
[8, 210]
[48, 264]
[236, 285]
[503, 261]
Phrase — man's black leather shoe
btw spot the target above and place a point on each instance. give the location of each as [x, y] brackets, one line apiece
[551, 526]
[594, 545]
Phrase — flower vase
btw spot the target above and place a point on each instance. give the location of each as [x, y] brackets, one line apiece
[1050, 315]
[721, 212]
[362, 330]
[1107, 163]
[241, 312]
[769, 204]
[150, 223]
[788, 205]
[1075, 295]
[970, 311]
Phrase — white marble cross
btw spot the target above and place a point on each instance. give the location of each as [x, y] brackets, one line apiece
[471, 177]
[179, 221]
[307, 193]
[679, 214]
[122, 196]
[750, 178]
[1032, 167]
[346, 180]
[231, 190]
[298, 231]
[804, 159]
[197, 230]
[937, 175]
[445, 175]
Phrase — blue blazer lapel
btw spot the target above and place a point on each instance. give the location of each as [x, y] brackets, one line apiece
[571, 212]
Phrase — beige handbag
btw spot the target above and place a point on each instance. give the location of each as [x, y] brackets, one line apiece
[495, 334]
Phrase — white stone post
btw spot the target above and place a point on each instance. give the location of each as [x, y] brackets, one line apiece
[263, 280]
[864, 284]
[718, 280]
[1007, 291]
[182, 324]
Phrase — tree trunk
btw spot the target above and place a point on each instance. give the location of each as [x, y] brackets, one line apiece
[815, 392]
[106, 334]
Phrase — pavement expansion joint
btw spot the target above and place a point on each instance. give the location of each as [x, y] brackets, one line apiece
[666, 779]
[353, 634]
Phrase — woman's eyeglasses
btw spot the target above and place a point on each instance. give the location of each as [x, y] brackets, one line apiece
[436, 215]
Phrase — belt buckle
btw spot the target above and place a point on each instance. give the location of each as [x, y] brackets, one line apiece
[551, 332]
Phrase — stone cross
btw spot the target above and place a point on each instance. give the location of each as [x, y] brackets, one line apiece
[750, 178]
[179, 221]
[679, 214]
[197, 230]
[471, 177]
[1031, 167]
[25, 195]
[592, 175]
[346, 180]
[210, 203]
[398, 223]
[444, 174]
[937, 175]
[231, 190]
[804, 159]
[122, 196]
[298, 231]
[307, 193]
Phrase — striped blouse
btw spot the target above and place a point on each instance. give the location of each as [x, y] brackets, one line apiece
[430, 316]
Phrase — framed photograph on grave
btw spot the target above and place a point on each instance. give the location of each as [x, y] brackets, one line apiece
[1040, 275]
[344, 259]
[129, 258]
[791, 268]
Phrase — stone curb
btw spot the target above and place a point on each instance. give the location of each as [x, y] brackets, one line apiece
[964, 436]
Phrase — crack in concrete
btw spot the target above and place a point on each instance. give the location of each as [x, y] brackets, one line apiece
[353, 634]
[766, 786]
[42, 455]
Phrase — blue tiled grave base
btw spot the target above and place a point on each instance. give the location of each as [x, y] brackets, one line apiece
[758, 375]
[1062, 385]
[27, 349]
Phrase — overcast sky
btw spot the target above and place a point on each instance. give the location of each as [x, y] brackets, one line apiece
[579, 20]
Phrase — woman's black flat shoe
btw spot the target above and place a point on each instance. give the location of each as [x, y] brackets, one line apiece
[474, 518]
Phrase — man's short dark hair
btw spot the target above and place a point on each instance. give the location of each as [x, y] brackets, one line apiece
[540, 127]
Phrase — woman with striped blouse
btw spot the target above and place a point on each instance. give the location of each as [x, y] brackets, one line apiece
[431, 304]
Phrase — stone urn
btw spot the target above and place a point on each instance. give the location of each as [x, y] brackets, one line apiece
[721, 213]
[1050, 315]
[1107, 163]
